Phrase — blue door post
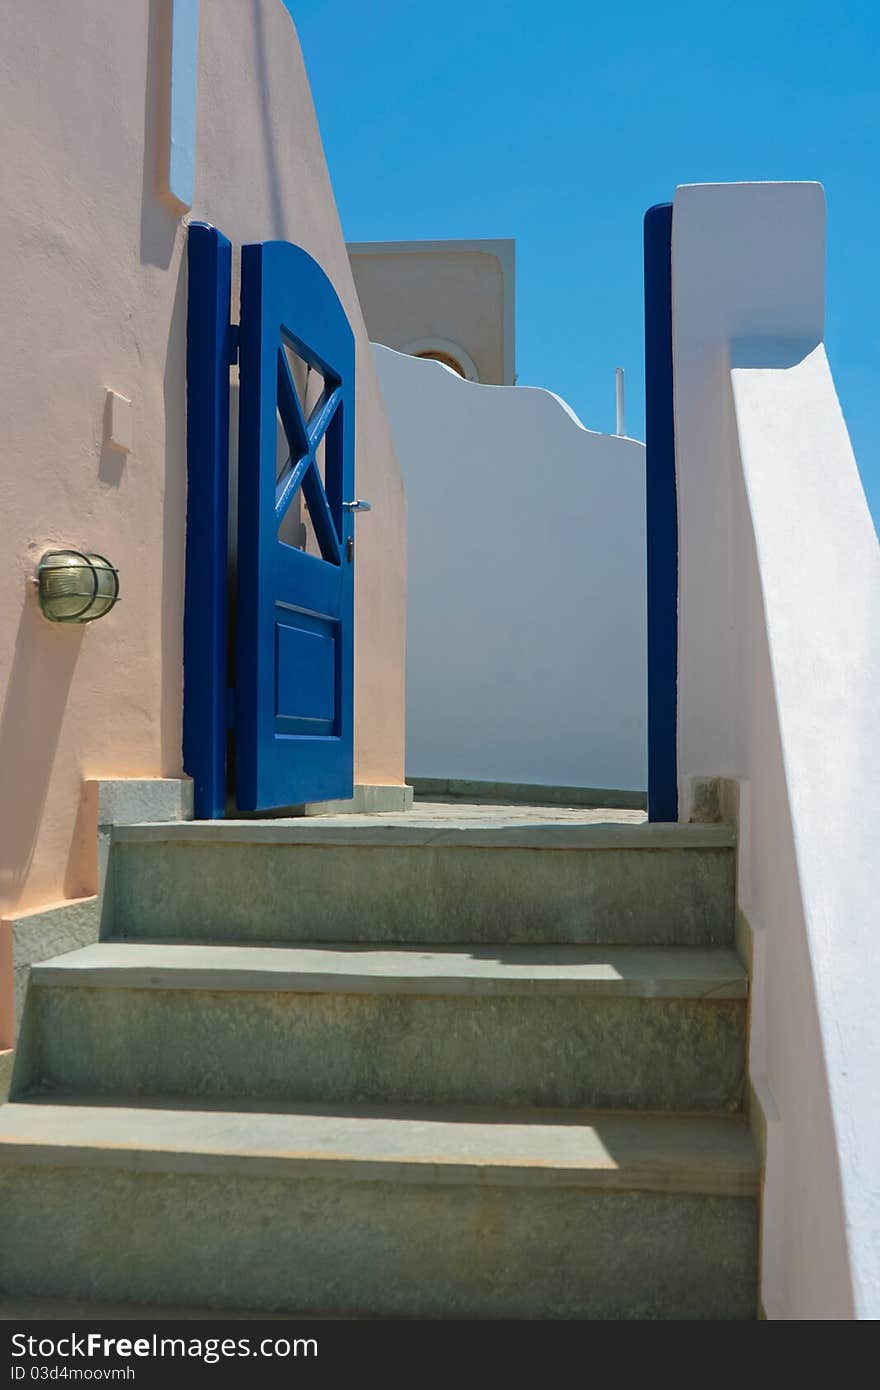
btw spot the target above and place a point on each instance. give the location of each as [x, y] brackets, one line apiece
[662, 519]
[207, 448]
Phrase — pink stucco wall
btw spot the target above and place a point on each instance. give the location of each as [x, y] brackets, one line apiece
[93, 295]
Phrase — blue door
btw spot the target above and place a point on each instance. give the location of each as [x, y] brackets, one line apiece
[293, 713]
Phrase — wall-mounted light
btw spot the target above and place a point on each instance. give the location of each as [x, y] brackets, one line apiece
[76, 587]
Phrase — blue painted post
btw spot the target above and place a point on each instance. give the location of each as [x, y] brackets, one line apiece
[207, 457]
[662, 519]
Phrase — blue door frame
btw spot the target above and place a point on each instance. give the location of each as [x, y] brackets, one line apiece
[209, 354]
[211, 348]
[291, 709]
[662, 519]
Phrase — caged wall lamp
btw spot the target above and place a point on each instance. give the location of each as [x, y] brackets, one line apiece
[74, 586]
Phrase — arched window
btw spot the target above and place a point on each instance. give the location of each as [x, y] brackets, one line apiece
[452, 355]
[435, 355]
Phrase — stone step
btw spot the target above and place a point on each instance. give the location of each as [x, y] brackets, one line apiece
[374, 880]
[627, 1027]
[389, 1213]
[96, 1312]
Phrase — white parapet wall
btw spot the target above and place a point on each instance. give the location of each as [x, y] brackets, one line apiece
[526, 644]
[779, 633]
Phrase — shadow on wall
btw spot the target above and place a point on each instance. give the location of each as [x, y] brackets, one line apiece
[159, 228]
[173, 532]
[41, 672]
[111, 464]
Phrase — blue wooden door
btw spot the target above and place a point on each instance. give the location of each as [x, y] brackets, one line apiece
[295, 588]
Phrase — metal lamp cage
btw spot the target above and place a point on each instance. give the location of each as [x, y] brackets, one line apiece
[76, 586]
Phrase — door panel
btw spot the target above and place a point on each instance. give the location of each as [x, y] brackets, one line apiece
[294, 644]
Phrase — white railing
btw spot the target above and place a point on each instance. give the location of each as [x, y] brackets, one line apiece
[779, 679]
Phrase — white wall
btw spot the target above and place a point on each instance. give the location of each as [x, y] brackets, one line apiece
[779, 616]
[526, 645]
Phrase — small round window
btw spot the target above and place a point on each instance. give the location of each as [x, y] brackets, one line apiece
[434, 355]
[450, 354]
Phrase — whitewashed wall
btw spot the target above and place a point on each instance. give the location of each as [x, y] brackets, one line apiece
[526, 645]
[779, 632]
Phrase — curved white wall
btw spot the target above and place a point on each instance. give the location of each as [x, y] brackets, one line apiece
[526, 633]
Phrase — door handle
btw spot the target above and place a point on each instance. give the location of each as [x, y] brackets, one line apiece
[358, 505]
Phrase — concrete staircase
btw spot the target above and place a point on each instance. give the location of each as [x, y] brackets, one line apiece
[393, 1067]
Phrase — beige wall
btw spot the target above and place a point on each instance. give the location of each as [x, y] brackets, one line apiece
[458, 291]
[93, 294]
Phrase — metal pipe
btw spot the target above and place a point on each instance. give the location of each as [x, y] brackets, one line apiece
[618, 382]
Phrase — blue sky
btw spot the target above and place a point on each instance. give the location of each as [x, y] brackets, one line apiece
[559, 123]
